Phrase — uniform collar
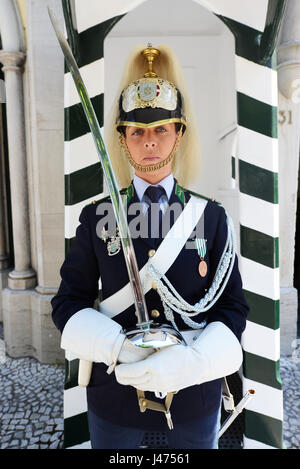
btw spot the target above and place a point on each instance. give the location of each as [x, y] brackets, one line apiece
[141, 185]
[177, 194]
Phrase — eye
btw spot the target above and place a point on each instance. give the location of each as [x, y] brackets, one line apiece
[137, 131]
[161, 129]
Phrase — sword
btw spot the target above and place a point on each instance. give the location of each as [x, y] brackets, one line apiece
[145, 334]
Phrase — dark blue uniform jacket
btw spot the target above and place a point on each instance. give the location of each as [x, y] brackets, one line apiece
[88, 260]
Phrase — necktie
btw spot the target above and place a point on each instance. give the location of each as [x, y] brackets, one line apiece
[154, 193]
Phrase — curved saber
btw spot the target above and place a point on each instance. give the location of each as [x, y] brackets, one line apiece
[129, 254]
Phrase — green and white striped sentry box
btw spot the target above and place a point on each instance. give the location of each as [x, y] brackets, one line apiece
[255, 25]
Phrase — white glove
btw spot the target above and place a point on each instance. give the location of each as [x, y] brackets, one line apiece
[94, 337]
[130, 353]
[216, 353]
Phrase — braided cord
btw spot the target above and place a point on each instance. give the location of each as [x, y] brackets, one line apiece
[173, 301]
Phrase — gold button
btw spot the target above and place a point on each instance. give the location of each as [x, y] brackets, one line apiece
[155, 313]
[154, 287]
[151, 252]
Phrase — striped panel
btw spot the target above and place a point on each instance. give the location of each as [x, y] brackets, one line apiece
[83, 184]
[250, 14]
[88, 73]
[257, 115]
[76, 430]
[262, 370]
[258, 182]
[266, 401]
[75, 401]
[259, 247]
[260, 215]
[264, 429]
[233, 161]
[92, 16]
[252, 282]
[90, 41]
[257, 149]
[254, 444]
[262, 341]
[270, 307]
[262, 86]
[257, 158]
[75, 119]
[72, 213]
[85, 445]
[253, 15]
[257, 154]
[80, 153]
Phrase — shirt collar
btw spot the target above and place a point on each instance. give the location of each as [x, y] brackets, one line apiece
[141, 185]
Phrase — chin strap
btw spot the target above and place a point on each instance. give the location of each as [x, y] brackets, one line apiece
[147, 404]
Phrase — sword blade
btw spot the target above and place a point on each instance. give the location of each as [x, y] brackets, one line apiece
[128, 249]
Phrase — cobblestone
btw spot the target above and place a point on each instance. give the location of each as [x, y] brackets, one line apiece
[31, 402]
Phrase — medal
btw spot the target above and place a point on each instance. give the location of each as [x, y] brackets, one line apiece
[202, 268]
[114, 244]
[104, 234]
[201, 248]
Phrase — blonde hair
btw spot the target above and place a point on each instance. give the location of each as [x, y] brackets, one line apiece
[186, 163]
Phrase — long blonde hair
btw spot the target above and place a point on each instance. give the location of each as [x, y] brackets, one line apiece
[186, 164]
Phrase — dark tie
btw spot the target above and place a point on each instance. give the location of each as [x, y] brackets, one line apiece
[154, 193]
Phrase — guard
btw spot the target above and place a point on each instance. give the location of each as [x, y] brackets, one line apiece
[186, 253]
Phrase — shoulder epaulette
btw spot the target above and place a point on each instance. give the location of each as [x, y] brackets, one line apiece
[202, 196]
[125, 191]
[94, 202]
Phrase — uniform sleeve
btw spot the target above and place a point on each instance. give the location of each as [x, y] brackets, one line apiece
[231, 308]
[79, 276]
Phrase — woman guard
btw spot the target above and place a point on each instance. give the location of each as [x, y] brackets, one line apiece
[185, 250]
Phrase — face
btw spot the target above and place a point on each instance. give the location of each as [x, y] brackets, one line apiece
[151, 146]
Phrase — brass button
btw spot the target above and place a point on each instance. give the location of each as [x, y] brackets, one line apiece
[154, 287]
[151, 252]
[155, 313]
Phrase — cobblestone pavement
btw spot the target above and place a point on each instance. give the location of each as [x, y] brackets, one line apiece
[31, 403]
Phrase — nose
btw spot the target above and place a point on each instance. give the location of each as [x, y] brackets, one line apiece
[150, 143]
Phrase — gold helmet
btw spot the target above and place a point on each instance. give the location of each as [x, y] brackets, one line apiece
[150, 101]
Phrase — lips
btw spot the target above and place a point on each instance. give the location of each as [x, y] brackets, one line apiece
[151, 158]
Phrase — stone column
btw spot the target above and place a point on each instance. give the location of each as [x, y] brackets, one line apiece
[16, 299]
[22, 277]
[3, 251]
[4, 260]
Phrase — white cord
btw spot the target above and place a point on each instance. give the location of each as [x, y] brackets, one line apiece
[171, 299]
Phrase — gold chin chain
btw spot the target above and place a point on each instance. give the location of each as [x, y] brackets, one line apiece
[152, 167]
